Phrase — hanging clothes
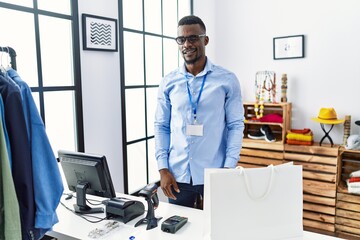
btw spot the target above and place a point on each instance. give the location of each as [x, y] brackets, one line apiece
[48, 185]
[20, 155]
[28, 205]
[9, 205]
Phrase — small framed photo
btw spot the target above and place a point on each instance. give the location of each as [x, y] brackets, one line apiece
[99, 33]
[288, 47]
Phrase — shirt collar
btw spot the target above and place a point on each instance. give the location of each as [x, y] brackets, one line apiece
[207, 69]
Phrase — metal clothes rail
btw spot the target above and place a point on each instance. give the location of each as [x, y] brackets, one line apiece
[12, 55]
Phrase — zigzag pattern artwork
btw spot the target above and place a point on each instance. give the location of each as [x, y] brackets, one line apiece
[100, 34]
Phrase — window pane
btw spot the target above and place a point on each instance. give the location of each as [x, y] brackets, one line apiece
[132, 14]
[170, 14]
[135, 114]
[56, 58]
[153, 54]
[184, 8]
[26, 3]
[153, 169]
[151, 99]
[58, 6]
[35, 96]
[25, 50]
[134, 59]
[60, 119]
[136, 166]
[152, 16]
[171, 53]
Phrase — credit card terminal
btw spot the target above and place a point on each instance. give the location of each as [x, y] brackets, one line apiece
[173, 224]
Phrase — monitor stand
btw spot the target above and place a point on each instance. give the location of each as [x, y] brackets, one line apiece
[81, 207]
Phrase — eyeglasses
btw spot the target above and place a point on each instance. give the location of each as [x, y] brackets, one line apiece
[191, 39]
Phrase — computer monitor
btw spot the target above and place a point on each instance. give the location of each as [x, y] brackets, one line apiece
[86, 174]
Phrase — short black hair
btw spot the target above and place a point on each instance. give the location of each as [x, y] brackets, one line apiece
[191, 19]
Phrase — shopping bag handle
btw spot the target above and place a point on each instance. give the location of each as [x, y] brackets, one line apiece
[248, 189]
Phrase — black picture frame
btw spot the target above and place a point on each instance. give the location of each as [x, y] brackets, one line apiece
[99, 33]
[289, 47]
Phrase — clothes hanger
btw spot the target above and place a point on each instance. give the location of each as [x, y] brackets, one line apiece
[8, 67]
[2, 68]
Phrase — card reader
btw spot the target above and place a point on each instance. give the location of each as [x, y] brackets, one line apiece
[174, 223]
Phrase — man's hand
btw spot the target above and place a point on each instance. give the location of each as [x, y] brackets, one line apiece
[167, 181]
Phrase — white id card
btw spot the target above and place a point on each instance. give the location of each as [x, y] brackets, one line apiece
[195, 130]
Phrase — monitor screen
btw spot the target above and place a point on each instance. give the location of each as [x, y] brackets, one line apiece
[86, 174]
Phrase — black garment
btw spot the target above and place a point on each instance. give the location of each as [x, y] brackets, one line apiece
[20, 155]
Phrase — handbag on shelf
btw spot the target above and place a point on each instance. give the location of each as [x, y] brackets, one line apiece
[253, 203]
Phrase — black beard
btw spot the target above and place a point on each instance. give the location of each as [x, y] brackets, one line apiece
[192, 61]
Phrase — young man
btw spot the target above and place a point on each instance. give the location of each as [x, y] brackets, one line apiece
[199, 118]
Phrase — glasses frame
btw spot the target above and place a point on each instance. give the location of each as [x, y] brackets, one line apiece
[191, 39]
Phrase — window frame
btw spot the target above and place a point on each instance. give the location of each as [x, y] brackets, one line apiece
[124, 87]
[76, 87]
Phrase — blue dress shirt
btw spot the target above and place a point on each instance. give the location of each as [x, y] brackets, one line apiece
[220, 111]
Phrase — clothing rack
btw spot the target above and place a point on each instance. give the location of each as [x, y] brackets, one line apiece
[12, 55]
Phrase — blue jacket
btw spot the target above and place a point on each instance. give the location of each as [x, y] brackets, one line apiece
[48, 186]
[20, 154]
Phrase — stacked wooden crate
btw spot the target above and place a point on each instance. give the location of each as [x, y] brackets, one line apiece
[252, 124]
[347, 205]
[319, 183]
[260, 157]
[320, 166]
[259, 153]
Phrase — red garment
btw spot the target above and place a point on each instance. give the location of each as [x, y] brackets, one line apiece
[272, 117]
[302, 131]
[354, 179]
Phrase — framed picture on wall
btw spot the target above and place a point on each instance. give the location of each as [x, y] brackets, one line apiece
[99, 33]
[288, 47]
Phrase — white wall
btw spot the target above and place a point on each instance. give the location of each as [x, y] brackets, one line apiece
[241, 34]
[101, 96]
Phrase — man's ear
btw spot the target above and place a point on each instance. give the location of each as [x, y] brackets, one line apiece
[206, 40]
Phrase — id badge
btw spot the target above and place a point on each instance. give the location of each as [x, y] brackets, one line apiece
[195, 130]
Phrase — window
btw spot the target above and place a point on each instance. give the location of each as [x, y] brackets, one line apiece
[147, 32]
[45, 38]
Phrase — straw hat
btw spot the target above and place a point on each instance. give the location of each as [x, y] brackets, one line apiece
[328, 116]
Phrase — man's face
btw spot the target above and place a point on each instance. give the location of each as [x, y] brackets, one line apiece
[193, 49]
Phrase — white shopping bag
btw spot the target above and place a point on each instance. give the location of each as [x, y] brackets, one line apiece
[253, 203]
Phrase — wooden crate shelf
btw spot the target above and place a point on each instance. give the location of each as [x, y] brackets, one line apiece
[279, 129]
[327, 205]
[347, 221]
[319, 183]
[260, 158]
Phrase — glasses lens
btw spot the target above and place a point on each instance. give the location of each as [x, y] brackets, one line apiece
[193, 39]
[180, 40]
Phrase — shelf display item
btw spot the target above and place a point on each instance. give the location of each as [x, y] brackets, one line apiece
[327, 116]
[347, 128]
[299, 137]
[264, 132]
[353, 183]
[284, 88]
[265, 91]
[353, 142]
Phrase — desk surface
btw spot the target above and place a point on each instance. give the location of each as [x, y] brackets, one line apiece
[71, 226]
